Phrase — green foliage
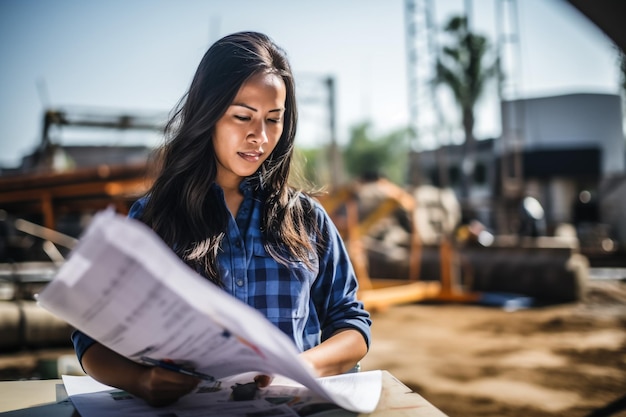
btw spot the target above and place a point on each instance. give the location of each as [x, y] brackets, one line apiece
[308, 167]
[385, 155]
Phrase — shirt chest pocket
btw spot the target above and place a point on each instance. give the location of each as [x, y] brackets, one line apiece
[279, 290]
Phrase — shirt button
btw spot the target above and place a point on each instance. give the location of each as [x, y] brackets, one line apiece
[239, 283]
[238, 245]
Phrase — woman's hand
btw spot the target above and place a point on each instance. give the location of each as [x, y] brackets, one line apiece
[263, 381]
[157, 386]
[160, 387]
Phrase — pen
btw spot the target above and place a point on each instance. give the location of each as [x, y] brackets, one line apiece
[171, 366]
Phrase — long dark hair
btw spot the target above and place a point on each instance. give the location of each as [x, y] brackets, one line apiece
[182, 206]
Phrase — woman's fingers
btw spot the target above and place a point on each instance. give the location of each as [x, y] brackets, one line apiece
[263, 381]
[162, 387]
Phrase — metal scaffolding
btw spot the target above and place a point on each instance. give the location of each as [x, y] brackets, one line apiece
[425, 115]
[512, 118]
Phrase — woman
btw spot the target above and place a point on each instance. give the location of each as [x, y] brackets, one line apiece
[223, 203]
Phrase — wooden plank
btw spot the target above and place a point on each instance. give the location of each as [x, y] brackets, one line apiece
[382, 297]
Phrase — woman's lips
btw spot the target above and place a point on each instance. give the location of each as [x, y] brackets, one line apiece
[250, 156]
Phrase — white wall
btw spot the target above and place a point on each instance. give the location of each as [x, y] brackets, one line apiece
[571, 121]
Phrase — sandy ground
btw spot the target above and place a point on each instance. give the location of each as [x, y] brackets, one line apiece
[469, 360]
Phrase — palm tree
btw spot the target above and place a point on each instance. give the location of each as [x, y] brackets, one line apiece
[622, 85]
[461, 67]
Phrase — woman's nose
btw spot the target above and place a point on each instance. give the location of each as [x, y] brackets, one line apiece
[258, 133]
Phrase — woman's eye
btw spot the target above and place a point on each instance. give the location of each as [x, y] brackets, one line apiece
[242, 118]
[273, 120]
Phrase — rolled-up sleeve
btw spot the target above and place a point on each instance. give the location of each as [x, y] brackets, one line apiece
[81, 342]
[335, 289]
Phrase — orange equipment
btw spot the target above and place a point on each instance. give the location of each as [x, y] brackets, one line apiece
[380, 293]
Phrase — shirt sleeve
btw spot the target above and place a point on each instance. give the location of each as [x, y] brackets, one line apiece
[335, 290]
[81, 341]
[136, 210]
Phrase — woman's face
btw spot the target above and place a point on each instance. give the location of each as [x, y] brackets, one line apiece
[250, 129]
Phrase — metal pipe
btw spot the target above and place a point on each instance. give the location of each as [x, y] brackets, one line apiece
[45, 233]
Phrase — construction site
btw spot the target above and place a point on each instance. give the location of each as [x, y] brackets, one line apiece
[485, 303]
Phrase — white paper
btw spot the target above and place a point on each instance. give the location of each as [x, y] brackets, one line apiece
[125, 288]
[93, 399]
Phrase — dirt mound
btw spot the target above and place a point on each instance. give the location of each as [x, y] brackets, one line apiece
[471, 360]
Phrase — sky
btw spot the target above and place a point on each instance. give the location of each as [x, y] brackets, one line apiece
[139, 56]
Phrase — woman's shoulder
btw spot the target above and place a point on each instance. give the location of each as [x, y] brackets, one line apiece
[308, 200]
[313, 206]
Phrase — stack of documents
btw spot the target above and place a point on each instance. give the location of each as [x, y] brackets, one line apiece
[125, 288]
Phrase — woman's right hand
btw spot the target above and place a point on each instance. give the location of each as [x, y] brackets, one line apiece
[160, 387]
[157, 386]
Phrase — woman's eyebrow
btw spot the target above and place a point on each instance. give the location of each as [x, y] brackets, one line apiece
[245, 105]
[255, 110]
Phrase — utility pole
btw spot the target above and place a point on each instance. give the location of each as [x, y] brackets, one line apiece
[336, 166]
[317, 98]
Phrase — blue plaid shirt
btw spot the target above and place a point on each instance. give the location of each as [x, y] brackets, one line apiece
[308, 305]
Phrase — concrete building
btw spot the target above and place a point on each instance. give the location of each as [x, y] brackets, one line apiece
[572, 158]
